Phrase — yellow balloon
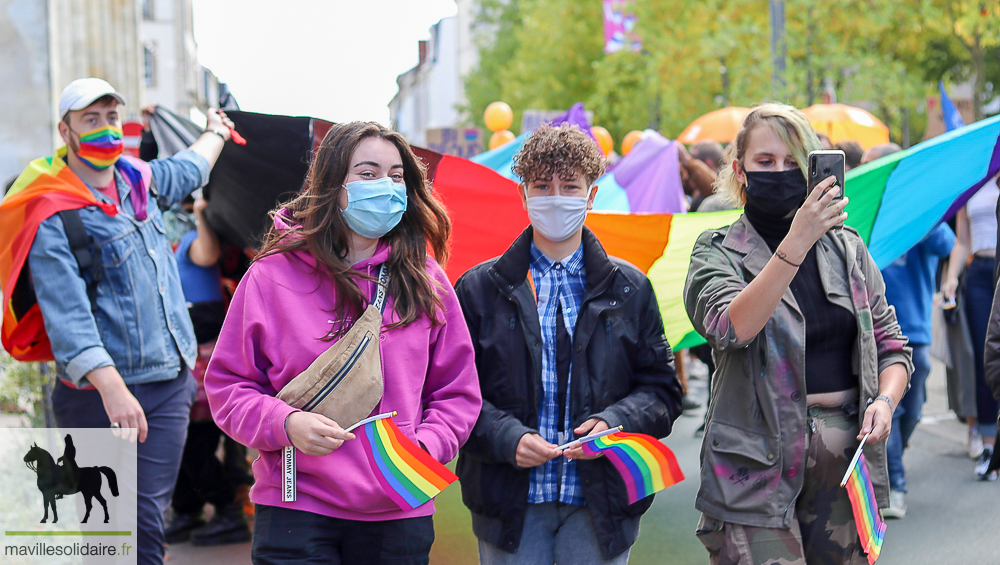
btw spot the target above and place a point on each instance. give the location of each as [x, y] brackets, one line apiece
[499, 138]
[629, 141]
[603, 138]
[498, 116]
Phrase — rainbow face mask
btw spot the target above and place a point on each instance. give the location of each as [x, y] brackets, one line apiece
[100, 147]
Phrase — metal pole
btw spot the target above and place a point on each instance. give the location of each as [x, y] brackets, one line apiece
[778, 48]
[809, 70]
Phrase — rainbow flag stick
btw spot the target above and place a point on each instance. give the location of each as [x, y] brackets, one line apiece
[591, 437]
[407, 473]
[372, 419]
[854, 460]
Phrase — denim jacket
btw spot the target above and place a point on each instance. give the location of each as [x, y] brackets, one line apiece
[757, 417]
[139, 323]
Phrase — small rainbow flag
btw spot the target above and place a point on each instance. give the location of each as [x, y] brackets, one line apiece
[645, 464]
[408, 474]
[871, 528]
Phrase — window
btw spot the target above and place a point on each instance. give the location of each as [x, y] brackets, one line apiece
[149, 61]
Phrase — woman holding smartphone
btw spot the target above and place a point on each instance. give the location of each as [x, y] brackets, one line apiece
[368, 204]
[809, 356]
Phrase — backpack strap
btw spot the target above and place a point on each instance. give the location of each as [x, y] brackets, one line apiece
[87, 255]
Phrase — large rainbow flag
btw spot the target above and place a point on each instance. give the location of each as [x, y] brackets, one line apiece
[46, 187]
[646, 465]
[894, 202]
[487, 216]
[407, 473]
[871, 528]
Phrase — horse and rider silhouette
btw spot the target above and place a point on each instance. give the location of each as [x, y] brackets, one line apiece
[57, 480]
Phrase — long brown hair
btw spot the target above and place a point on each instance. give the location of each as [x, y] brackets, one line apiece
[318, 225]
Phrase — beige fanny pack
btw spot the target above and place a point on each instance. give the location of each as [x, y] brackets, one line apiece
[345, 382]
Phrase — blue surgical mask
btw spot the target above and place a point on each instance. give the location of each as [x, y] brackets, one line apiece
[374, 206]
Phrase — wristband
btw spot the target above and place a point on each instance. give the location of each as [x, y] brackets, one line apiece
[218, 132]
[887, 401]
[781, 255]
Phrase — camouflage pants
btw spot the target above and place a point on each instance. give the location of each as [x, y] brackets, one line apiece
[824, 532]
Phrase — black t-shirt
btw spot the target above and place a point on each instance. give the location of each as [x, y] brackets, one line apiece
[830, 330]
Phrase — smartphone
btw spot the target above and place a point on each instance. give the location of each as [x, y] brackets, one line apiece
[826, 163]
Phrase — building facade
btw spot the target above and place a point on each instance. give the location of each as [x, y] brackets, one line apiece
[428, 95]
[145, 48]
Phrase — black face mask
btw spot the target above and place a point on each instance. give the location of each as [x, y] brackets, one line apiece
[773, 196]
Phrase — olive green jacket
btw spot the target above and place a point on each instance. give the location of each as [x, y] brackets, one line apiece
[757, 415]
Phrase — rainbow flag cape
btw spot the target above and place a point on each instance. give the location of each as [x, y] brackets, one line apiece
[46, 187]
[871, 528]
[646, 465]
[407, 473]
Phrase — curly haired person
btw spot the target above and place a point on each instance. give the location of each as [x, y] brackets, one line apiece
[568, 341]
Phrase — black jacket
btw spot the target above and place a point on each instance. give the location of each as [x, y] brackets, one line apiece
[622, 372]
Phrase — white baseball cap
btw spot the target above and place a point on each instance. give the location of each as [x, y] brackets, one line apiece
[82, 92]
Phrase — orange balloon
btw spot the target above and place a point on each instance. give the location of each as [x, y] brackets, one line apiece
[498, 116]
[499, 138]
[603, 138]
[629, 141]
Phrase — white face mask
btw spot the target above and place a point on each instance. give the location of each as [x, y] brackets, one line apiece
[557, 218]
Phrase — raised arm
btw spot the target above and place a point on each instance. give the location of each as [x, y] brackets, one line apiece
[755, 304]
[205, 250]
[959, 254]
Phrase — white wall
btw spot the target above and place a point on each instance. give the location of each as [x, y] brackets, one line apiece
[171, 32]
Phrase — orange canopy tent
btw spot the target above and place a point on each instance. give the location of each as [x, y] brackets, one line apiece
[841, 122]
[720, 125]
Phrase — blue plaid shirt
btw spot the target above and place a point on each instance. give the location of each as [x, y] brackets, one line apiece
[556, 283]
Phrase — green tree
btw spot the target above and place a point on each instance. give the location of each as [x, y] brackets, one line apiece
[22, 388]
[700, 56]
[976, 25]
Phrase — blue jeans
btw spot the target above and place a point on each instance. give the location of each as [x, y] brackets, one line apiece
[907, 416]
[553, 533]
[978, 298]
[167, 405]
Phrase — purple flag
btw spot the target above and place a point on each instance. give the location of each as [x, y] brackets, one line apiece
[651, 177]
[575, 115]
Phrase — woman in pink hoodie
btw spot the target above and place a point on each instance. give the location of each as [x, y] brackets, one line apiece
[368, 202]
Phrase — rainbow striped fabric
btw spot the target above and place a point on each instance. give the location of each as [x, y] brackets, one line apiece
[101, 147]
[46, 187]
[646, 465]
[407, 473]
[894, 202]
[871, 528]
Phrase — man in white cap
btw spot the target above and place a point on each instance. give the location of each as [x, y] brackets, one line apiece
[113, 309]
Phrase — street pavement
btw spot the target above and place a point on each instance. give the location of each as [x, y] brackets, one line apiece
[951, 517]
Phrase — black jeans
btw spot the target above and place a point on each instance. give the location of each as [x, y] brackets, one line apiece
[282, 536]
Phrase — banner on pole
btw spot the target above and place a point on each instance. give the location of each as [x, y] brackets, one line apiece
[619, 27]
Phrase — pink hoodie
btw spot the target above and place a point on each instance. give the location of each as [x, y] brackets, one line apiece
[271, 334]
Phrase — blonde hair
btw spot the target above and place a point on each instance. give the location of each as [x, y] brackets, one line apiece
[787, 123]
